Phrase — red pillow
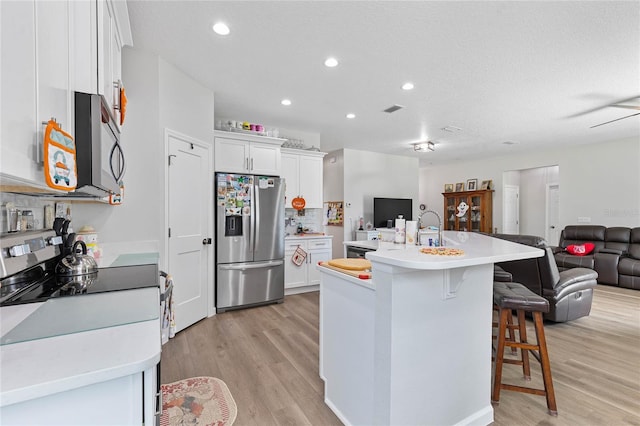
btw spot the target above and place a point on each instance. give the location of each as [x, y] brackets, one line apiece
[581, 249]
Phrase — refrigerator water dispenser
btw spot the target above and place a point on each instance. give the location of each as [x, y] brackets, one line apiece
[233, 226]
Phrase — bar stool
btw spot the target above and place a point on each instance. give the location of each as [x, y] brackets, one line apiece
[515, 296]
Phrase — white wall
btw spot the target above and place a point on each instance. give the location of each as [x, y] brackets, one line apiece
[333, 190]
[358, 177]
[159, 96]
[601, 181]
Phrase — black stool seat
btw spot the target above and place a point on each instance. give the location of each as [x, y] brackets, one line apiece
[517, 296]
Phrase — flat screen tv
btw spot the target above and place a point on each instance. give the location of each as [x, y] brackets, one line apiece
[389, 208]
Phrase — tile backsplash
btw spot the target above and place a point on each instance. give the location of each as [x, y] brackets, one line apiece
[26, 202]
[312, 220]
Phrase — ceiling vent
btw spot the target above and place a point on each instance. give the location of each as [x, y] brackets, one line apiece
[393, 108]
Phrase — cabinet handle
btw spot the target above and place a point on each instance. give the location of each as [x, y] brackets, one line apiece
[116, 100]
[40, 142]
[252, 164]
[246, 160]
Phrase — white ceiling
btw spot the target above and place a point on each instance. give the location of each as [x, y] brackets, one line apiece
[532, 73]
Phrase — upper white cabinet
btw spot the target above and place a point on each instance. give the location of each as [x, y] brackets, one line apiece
[36, 82]
[49, 50]
[303, 173]
[99, 37]
[245, 153]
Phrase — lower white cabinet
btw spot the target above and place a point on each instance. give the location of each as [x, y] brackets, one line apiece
[317, 249]
[94, 404]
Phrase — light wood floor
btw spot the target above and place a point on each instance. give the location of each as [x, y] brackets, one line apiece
[268, 357]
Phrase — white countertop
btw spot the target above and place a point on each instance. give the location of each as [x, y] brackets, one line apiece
[368, 283]
[306, 236]
[36, 368]
[478, 249]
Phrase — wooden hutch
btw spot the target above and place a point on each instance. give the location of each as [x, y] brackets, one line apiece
[478, 217]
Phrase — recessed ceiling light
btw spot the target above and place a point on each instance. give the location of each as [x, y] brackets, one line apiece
[221, 28]
[407, 86]
[285, 102]
[351, 115]
[331, 62]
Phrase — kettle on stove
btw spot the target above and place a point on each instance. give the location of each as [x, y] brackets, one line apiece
[77, 271]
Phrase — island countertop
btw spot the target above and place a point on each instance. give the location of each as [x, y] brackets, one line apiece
[478, 249]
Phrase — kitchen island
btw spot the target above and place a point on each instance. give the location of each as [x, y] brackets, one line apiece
[412, 345]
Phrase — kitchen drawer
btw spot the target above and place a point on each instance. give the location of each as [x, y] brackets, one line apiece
[291, 246]
[320, 243]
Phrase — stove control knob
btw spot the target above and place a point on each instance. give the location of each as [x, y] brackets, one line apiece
[19, 250]
[54, 241]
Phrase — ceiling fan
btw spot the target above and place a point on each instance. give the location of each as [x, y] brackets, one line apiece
[630, 103]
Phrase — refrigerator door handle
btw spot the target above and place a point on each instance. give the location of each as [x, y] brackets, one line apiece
[256, 218]
[244, 266]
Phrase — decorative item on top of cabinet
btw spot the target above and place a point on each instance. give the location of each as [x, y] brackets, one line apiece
[243, 153]
[302, 171]
[468, 211]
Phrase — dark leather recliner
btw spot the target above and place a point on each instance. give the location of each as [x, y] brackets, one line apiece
[569, 292]
[629, 266]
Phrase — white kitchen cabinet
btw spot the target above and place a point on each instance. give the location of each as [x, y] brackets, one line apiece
[245, 153]
[101, 30]
[303, 173]
[109, 55]
[83, 406]
[305, 275]
[36, 82]
[49, 50]
[18, 81]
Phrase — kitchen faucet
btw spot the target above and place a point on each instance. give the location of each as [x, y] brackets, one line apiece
[440, 240]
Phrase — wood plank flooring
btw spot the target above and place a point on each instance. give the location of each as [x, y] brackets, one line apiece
[268, 356]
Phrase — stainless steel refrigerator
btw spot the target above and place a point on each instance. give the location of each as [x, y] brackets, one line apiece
[249, 240]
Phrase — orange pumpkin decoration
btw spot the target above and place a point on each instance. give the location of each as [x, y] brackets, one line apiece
[298, 203]
[123, 105]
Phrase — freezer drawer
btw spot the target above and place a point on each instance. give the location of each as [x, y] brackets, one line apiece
[249, 283]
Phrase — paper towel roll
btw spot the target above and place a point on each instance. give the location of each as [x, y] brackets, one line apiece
[412, 228]
[400, 231]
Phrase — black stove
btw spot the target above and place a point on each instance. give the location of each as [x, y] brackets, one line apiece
[27, 268]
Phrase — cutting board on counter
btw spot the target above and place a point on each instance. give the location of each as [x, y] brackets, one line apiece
[352, 264]
[358, 273]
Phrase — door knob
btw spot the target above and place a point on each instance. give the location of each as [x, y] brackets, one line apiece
[206, 241]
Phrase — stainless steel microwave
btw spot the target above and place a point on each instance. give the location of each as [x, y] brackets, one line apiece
[99, 155]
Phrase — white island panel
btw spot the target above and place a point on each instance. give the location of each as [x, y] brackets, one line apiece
[433, 346]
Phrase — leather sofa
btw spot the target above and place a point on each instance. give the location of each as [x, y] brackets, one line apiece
[616, 256]
[569, 292]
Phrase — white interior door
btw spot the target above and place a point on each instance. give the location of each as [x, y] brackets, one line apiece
[190, 203]
[511, 210]
[552, 234]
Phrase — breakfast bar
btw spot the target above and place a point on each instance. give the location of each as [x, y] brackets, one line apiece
[412, 345]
